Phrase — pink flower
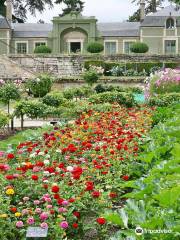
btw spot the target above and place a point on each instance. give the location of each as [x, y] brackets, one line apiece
[65, 203]
[64, 224]
[36, 202]
[49, 206]
[62, 210]
[30, 221]
[1, 154]
[44, 216]
[44, 225]
[19, 224]
[25, 212]
[38, 210]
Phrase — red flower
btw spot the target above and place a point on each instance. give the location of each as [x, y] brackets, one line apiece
[9, 177]
[10, 156]
[125, 178]
[112, 195]
[56, 196]
[13, 209]
[71, 200]
[76, 214]
[55, 189]
[96, 194]
[75, 225]
[89, 186]
[101, 221]
[34, 177]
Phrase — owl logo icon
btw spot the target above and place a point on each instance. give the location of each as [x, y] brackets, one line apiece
[139, 231]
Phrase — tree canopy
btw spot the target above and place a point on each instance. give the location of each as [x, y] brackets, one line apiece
[21, 8]
[151, 6]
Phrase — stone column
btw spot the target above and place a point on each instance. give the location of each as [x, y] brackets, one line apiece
[142, 9]
[9, 10]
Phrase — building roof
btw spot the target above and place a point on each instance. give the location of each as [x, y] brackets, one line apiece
[159, 18]
[4, 23]
[25, 30]
[119, 29]
[167, 11]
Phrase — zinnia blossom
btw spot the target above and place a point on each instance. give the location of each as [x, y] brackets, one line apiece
[64, 224]
[101, 220]
[19, 224]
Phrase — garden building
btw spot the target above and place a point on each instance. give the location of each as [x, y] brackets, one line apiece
[71, 33]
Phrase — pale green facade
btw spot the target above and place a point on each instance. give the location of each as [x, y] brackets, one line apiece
[73, 32]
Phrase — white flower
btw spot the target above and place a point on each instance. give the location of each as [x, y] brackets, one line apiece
[70, 168]
[45, 181]
[32, 155]
[41, 153]
[46, 173]
[46, 162]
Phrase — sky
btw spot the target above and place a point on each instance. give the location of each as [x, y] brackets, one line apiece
[104, 10]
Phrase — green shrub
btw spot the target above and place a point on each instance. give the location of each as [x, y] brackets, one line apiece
[42, 49]
[90, 77]
[3, 119]
[121, 98]
[95, 47]
[164, 100]
[139, 47]
[40, 86]
[161, 114]
[97, 63]
[8, 92]
[53, 99]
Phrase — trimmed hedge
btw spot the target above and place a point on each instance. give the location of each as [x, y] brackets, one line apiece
[121, 98]
[139, 47]
[95, 47]
[138, 66]
[42, 49]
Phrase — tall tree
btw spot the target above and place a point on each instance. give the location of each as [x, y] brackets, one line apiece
[71, 5]
[22, 7]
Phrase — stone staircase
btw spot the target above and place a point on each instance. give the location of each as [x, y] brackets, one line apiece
[10, 69]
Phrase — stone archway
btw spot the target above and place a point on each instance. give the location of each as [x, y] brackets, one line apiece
[73, 40]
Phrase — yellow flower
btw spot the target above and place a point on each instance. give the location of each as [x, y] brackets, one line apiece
[10, 191]
[78, 198]
[3, 215]
[17, 214]
[61, 217]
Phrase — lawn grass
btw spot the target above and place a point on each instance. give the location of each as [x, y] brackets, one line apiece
[22, 136]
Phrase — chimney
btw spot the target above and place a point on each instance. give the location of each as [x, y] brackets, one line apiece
[9, 10]
[142, 9]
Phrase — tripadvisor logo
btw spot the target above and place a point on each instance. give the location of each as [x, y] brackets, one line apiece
[139, 231]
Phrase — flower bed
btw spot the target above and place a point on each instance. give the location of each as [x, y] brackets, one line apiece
[67, 178]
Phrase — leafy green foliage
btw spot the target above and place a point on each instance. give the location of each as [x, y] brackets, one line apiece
[54, 99]
[139, 47]
[71, 6]
[40, 86]
[95, 47]
[9, 91]
[123, 98]
[154, 202]
[3, 119]
[91, 77]
[42, 49]
[164, 99]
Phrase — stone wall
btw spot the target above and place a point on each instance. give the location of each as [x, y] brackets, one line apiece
[71, 65]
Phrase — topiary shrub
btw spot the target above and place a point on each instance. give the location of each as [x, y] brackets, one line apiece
[53, 99]
[42, 49]
[40, 86]
[139, 47]
[91, 77]
[95, 47]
